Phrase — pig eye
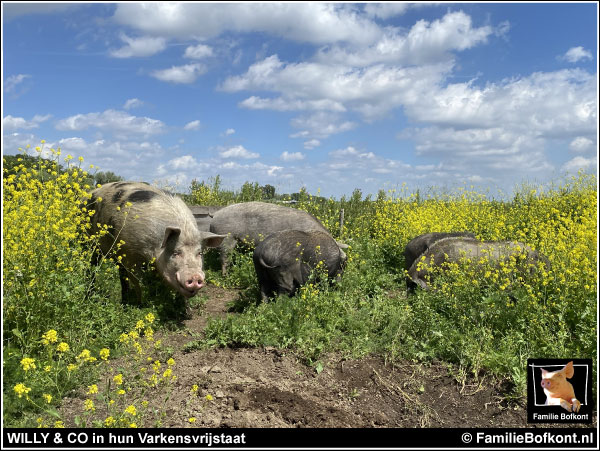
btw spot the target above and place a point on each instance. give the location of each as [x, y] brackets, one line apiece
[175, 254]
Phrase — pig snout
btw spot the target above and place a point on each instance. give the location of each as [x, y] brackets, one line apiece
[191, 284]
[546, 384]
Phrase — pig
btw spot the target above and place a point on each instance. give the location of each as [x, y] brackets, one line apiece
[155, 227]
[420, 244]
[253, 221]
[559, 391]
[453, 249]
[285, 259]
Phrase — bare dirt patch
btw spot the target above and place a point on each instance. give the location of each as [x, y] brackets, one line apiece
[268, 387]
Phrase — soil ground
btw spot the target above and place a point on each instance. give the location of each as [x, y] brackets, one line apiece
[268, 387]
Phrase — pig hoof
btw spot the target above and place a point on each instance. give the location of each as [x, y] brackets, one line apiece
[576, 405]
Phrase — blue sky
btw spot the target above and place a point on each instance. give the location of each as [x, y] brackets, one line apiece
[331, 97]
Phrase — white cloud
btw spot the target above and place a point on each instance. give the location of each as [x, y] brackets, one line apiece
[229, 131]
[425, 43]
[281, 104]
[139, 47]
[312, 143]
[320, 125]
[580, 163]
[293, 156]
[184, 162]
[193, 125]
[11, 83]
[199, 51]
[314, 22]
[112, 120]
[132, 103]
[575, 54]
[187, 73]
[18, 123]
[581, 144]
[386, 10]
[238, 152]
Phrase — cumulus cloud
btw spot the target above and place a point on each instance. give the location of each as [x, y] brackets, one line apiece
[11, 83]
[238, 152]
[112, 120]
[184, 162]
[193, 125]
[580, 163]
[229, 131]
[292, 156]
[320, 125]
[581, 144]
[312, 143]
[139, 47]
[575, 54]
[186, 74]
[386, 10]
[425, 43]
[132, 103]
[199, 51]
[314, 22]
[10, 123]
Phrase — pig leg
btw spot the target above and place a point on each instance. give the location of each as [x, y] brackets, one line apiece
[225, 249]
[576, 405]
[566, 405]
[129, 281]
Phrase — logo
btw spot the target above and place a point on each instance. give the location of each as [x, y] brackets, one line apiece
[559, 390]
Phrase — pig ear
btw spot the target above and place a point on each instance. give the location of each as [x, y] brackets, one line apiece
[544, 372]
[342, 245]
[212, 240]
[170, 232]
[569, 370]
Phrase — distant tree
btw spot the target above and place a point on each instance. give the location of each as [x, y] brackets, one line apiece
[106, 177]
[268, 192]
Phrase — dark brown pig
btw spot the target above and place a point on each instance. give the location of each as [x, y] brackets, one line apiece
[285, 260]
[453, 250]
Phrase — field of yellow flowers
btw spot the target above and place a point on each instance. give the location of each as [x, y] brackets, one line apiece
[64, 322]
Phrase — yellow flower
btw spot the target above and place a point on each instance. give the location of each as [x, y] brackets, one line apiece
[144, 404]
[92, 389]
[121, 392]
[110, 421]
[209, 397]
[47, 368]
[71, 367]
[63, 347]
[171, 362]
[89, 405]
[132, 425]
[168, 373]
[50, 337]
[140, 325]
[104, 353]
[28, 364]
[192, 420]
[118, 379]
[21, 389]
[131, 410]
[59, 424]
[194, 388]
[48, 398]
[84, 355]
[150, 318]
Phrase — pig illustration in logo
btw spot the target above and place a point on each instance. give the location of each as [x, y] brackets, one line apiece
[559, 392]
